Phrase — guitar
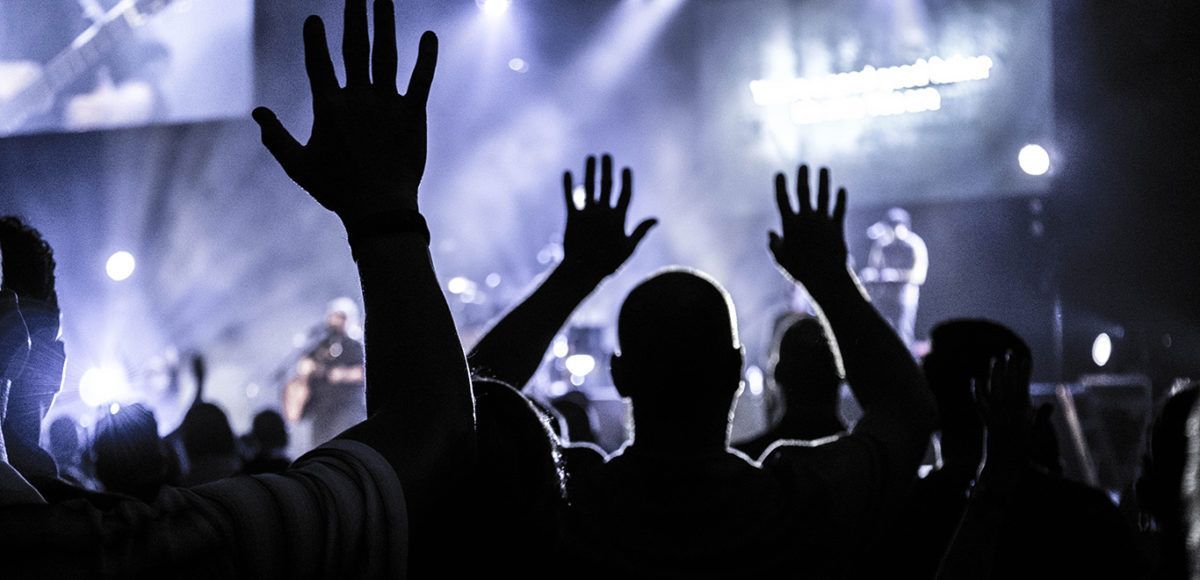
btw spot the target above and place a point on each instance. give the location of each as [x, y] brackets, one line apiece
[38, 89]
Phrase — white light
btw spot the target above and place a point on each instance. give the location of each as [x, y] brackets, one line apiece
[580, 365]
[120, 266]
[251, 391]
[561, 347]
[579, 196]
[1034, 160]
[99, 386]
[754, 380]
[114, 408]
[492, 280]
[458, 285]
[494, 8]
[518, 65]
[1102, 349]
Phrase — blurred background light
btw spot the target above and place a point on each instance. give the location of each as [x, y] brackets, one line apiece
[120, 266]
[1034, 159]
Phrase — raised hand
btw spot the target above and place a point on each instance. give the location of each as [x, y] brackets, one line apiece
[366, 154]
[595, 239]
[813, 244]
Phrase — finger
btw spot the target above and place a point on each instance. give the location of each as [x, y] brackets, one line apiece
[279, 142]
[589, 180]
[383, 56]
[640, 232]
[422, 74]
[356, 44]
[626, 190]
[606, 180]
[781, 197]
[321, 76]
[823, 191]
[839, 207]
[803, 192]
[569, 191]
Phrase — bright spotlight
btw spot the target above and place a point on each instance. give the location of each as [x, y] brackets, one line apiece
[458, 285]
[99, 386]
[1034, 160]
[579, 365]
[494, 7]
[518, 65]
[1102, 349]
[120, 266]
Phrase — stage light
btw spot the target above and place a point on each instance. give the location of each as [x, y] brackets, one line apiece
[518, 65]
[1102, 349]
[579, 365]
[1034, 160]
[561, 347]
[98, 386]
[120, 266]
[754, 380]
[114, 408]
[458, 285]
[492, 280]
[494, 8]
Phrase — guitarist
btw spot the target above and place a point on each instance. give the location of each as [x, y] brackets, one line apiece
[117, 86]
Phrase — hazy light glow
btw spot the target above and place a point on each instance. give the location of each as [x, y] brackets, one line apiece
[580, 365]
[518, 65]
[99, 386]
[1102, 349]
[120, 266]
[870, 92]
[1034, 159]
[458, 285]
[754, 380]
[494, 8]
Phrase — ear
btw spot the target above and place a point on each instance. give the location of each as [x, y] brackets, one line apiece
[620, 375]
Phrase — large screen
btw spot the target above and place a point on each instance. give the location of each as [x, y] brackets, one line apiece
[909, 100]
[77, 65]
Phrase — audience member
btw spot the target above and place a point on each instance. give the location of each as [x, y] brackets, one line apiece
[266, 445]
[1160, 488]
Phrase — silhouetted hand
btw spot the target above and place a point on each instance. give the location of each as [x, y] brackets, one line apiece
[1003, 402]
[367, 151]
[813, 244]
[595, 239]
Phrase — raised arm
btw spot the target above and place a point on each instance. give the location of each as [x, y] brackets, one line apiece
[897, 405]
[594, 247]
[364, 161]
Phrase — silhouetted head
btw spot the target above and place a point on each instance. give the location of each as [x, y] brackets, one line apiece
[28, 262]
[129, 455]
[521, 476]
[206, 431]
[960, 354]
[1159, 488]
[680, 361]
[64, 440]
[269, 431]
[805, 367]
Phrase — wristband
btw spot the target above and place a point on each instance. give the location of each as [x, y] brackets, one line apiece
[387, 223]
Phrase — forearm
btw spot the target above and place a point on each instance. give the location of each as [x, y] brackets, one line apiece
[513, 348]
[881, 372]
[414, 360]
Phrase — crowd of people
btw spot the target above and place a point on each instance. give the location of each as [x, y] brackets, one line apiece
[455, 471]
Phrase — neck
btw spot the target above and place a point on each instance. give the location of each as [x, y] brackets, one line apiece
[649, 436]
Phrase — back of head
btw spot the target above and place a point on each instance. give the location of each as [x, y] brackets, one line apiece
[64, 439]
[269, 430]
[206, 431]
[521, 477]
[679, 349]
[805, 366]
[130, 457]
[28, 263]
[961, 350]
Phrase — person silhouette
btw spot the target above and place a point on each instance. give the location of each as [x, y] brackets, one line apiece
[805, 370]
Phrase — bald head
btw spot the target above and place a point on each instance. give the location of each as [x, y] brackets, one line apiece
[676, 315]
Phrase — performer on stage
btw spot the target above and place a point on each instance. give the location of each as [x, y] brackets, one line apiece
[329, 388]
[896, 269]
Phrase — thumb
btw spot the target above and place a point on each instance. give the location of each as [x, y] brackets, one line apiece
[640, 232]
[278, 141]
